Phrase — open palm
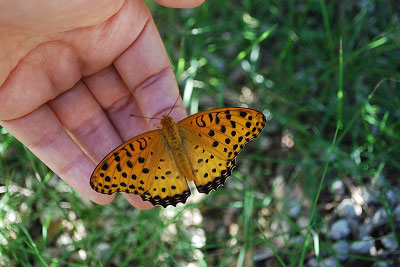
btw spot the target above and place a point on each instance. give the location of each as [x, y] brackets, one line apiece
[72, 74]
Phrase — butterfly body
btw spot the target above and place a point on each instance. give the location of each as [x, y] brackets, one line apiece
[173, 141]
[201, 148]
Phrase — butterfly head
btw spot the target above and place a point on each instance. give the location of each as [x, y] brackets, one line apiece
[167, 121]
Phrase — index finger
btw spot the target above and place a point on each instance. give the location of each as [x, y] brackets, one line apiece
[147, 72]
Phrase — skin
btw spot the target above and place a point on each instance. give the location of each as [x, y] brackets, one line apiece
[72, 73]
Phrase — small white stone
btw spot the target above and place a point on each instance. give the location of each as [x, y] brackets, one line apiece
[362, 246]
[346, 208]
[102, 249]
[340, 229]
[338, 188]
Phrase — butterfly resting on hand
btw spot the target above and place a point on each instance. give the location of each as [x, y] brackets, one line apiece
[201, 148]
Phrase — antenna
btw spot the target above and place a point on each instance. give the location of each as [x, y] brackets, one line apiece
[176, 101]
[142, 117]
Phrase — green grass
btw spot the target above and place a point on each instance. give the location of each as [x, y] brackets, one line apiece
[326, 74]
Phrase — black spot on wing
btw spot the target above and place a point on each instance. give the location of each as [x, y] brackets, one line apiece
[218, 181]
[104, 167]
[131, 147]
[200, 121]
[142, 143]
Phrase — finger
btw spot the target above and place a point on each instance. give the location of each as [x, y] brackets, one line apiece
[118, 103]
[37, 79]
[51, 65]
[43, 134]
[145, 69]
[85, 120]
[114, 97]
[180, 3]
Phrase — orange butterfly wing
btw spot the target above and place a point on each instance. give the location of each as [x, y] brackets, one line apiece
[145, 165]
[215, 137]
[142, 166]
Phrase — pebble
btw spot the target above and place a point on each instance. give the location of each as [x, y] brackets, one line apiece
[338, 188]
[380, 264]
[312, 262]
[365, 229]
[362, 246]
[302, 222]
[396, 213]
[328, 262]
[340, 229]
[370, 198]
[379, 219]
[380, 181]
[296, 240]
[346, 208]
[102, 249]
[341, 249]
[295, 209]
[393, 195]
[389, 242]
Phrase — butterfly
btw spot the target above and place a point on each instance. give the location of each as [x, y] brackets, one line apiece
[202, 148]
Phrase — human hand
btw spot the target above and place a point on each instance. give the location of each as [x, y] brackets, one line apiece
[72, 73]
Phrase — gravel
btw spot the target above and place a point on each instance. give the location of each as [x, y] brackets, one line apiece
[346, 208]
[362, 246]
[338, 188]
[396, 213]
[328, 262]
[295, 209]
[379, 219]
[341, 249]
[393, 195]
[340, 229]
[312, 262]
[380, 264]
[296, 240]
[102, 249]
[389, 242]
[365, 229]
[370, 197]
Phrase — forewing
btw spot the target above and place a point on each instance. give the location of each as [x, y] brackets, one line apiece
[127, 167]
[142, 166]
[214, 138]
